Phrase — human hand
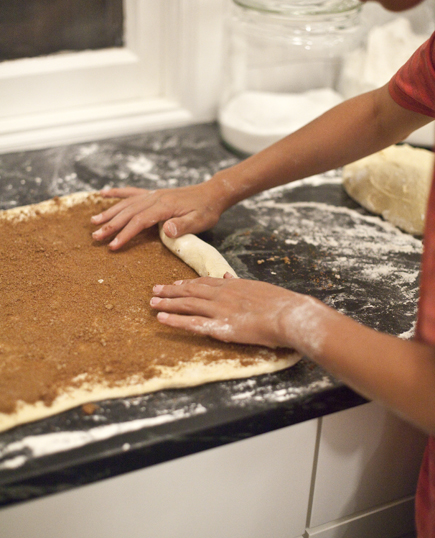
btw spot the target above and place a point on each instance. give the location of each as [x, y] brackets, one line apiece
[186, 210]
[242, 311]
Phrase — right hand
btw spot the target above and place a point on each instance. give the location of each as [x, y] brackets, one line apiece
[232, 310]
[191, 209]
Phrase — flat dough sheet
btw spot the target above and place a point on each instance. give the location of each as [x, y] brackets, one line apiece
[76, 322]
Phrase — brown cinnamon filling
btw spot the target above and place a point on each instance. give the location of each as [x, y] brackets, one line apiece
[73, 311]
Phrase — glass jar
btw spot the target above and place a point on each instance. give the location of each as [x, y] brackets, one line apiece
[282, 66]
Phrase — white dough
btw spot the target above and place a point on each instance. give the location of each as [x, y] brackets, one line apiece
[206, 261]
[199, 255]
[394, 183]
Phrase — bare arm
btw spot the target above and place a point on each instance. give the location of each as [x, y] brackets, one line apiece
[353, 129]
[400, 374]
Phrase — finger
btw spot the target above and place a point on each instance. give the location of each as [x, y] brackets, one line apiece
[125, 192]
[110, 213]
[190, 223]
[183, 305]
[170, 228]
[133, 217]
[112, 227]
[128, 207]
[199, 325]
[206, 280]
[129, 227]
[203, 287]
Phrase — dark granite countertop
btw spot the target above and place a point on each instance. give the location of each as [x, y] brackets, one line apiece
[309, 237]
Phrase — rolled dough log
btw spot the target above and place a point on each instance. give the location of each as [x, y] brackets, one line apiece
[200, 256]
[394, 183]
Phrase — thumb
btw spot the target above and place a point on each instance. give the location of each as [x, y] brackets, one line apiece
[187, 224]
[170, 229]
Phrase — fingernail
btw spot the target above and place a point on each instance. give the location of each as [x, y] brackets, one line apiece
[172, 229]
[158, 288]
[97, 234]
[162, 316]
[95, 219]
[114, 243]
[178, 282]
[155, 300]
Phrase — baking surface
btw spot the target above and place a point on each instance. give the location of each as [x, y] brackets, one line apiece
[308, 237]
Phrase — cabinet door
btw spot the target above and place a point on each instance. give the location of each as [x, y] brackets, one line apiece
[250, 489]
[367, 457]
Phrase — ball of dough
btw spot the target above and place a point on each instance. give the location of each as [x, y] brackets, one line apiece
[394, 183]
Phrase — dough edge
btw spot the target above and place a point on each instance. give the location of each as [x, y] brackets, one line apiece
[362, 180]
[193, 374]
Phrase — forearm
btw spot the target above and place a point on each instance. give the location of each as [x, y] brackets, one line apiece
[344, 134]
[350, 131]
[398, 373]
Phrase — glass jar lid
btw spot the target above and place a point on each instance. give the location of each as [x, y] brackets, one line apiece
[295, 8]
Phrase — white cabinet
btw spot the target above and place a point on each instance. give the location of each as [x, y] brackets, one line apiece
[251, 489]
[366, 474]
[350, 474]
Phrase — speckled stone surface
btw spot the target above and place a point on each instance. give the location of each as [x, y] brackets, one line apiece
[309, 237]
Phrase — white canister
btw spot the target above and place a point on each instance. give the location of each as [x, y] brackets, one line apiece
[283, 66]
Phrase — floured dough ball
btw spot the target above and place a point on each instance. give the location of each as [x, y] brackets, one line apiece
[394, 183]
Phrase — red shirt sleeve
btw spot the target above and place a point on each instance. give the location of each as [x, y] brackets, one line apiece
[413, 86]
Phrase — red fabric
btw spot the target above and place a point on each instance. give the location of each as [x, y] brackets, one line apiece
[426, 318]
[413, 87]
[425, 497]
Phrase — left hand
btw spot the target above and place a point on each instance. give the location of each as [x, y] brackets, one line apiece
[190, 209]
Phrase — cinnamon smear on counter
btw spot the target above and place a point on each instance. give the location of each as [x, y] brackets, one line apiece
[73, 312]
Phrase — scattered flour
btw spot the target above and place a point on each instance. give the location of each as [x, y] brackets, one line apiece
[139, 165]
[357, 263]
[247, 392]
[88, 149]
[16, 454]
[408, 335]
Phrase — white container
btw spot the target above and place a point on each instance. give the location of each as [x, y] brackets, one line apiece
[283, 66]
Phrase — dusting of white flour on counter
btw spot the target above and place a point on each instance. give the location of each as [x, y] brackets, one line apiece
[17, 453]
[247, 391]
[363, 265]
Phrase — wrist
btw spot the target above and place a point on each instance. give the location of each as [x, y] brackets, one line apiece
[304, 325]
[230, 186]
